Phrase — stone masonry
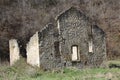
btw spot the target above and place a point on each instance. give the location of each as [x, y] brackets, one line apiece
[74, 42]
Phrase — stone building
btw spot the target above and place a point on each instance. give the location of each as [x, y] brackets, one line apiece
[75, 41]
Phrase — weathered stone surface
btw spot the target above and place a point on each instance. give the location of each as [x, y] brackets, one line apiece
[99, 55]
[33, 57]
[49, 47]
[56, 43]
[14, 51]
[76, 29]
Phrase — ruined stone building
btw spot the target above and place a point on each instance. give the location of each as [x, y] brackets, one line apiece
[75, 41]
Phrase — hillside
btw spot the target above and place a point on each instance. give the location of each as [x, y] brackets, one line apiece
[20, 19]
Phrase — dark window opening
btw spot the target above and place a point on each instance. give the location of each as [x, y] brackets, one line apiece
[57, 51]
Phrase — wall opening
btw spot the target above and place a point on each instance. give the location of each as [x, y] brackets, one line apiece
[90, 46]
[90, 43]
[57, 51]
[75, 55]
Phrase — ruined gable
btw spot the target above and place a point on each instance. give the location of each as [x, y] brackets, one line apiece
[76, 29]
[72, 16]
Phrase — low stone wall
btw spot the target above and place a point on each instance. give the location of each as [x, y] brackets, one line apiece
[14, 51]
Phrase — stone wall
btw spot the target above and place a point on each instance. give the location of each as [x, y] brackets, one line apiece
[99, 48]
[49, 47]
[75, 41]
[33, 57]
[14, 51]
[74, 31]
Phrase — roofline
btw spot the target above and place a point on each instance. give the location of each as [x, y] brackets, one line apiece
[57, 17]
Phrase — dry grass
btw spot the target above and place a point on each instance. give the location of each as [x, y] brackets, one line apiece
[22, 71]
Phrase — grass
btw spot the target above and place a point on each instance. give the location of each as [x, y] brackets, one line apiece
[114, 63]
[23, 71]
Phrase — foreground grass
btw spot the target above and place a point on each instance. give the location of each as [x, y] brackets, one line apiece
[22, 71]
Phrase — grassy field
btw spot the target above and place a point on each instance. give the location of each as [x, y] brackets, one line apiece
[22, 71]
